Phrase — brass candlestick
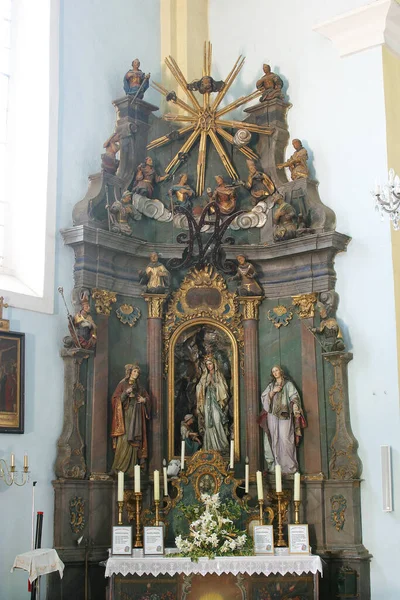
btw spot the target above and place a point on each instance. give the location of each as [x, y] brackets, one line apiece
[297, 511]
[281, 511]
[120, 508]
[138, 500]
[157, 503]
[261, 505]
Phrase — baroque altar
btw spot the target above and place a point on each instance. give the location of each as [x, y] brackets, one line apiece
[205, 316]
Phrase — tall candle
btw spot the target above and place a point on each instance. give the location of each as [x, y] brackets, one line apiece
[120, 486]
[165, 477]
[246, 475]
[12, 460]
[278, 478]
[156, 485]
[260, 492]
[25, 460]
[296, 495]
[183, 455]
[232, 455]
[137, 479]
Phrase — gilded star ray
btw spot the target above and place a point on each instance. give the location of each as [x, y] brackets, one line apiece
[204, 121]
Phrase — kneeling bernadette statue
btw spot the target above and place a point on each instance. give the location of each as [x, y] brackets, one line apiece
[130, 413]
[282, 420]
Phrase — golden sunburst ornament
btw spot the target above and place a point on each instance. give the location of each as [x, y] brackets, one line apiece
[205, 121]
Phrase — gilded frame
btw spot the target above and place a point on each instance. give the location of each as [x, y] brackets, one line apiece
[171, 381]
[12, 376]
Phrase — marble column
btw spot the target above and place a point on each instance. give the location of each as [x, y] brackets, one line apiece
[251, 379]
[312, 449]
[155, 304]
[99, 431]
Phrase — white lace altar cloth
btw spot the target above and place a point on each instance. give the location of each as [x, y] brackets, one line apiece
[167, 565]
[39, 562]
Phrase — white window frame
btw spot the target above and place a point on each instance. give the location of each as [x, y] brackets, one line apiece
[27, 276]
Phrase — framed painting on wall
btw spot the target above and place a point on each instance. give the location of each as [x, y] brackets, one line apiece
[12, 400]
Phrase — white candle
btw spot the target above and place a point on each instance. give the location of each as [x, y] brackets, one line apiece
[232, 455]
[137, 479]
[156, 485]
[278, 478]
[246, 476]
[25, 460]
[12, 463]
[296, 495]
[120, 486]
[165, 477]
[260, 492]
[183, 455]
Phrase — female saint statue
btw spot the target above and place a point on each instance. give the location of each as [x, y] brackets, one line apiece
[182, 194]
[282, 420]
[130, 413]
[212, 406]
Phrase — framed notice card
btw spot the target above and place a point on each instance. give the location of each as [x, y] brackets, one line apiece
[263, 539]
[122, 540]
[153, 540]
[298, 539]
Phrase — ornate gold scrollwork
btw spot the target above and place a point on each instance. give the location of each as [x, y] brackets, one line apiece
[305, 304]
[203, 294]
[155, 304]
[103, 300]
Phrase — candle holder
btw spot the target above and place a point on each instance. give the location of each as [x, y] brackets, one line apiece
[282, 507]
[11, 475]
[157, 503]
[138, 500]
[261, 506]
[297, 511]
[120, 508]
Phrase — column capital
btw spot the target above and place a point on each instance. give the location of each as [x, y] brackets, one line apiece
[250, 306]
[155, 304]
[103, 300]
[305, 302]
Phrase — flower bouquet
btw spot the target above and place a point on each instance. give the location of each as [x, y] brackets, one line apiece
[213, 532]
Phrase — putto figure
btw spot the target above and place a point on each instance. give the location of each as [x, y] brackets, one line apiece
[224, 195]
[155, 276]
[282, 420]
[135, 81]
[246, 275]
[212, 396]
[297, 163]
[130, 412]
[205, 85]
[109, 162]
[146, 178]
[270, 84]
[182, 194]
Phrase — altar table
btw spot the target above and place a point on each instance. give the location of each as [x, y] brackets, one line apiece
[171, 578]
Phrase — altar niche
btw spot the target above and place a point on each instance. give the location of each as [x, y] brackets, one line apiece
[203, 381]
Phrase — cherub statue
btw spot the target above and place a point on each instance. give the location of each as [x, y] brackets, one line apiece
[297, 163]
[135, 81]
[181, 193]
[109, 161]
[121, 211]
[328, 333]
[146, 178]
[246, 275]
[270, 84]
[224, 195]
[258, 183]
[205, 85]
[155, 276]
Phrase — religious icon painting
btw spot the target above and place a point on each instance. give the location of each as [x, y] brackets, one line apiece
[12, 352]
